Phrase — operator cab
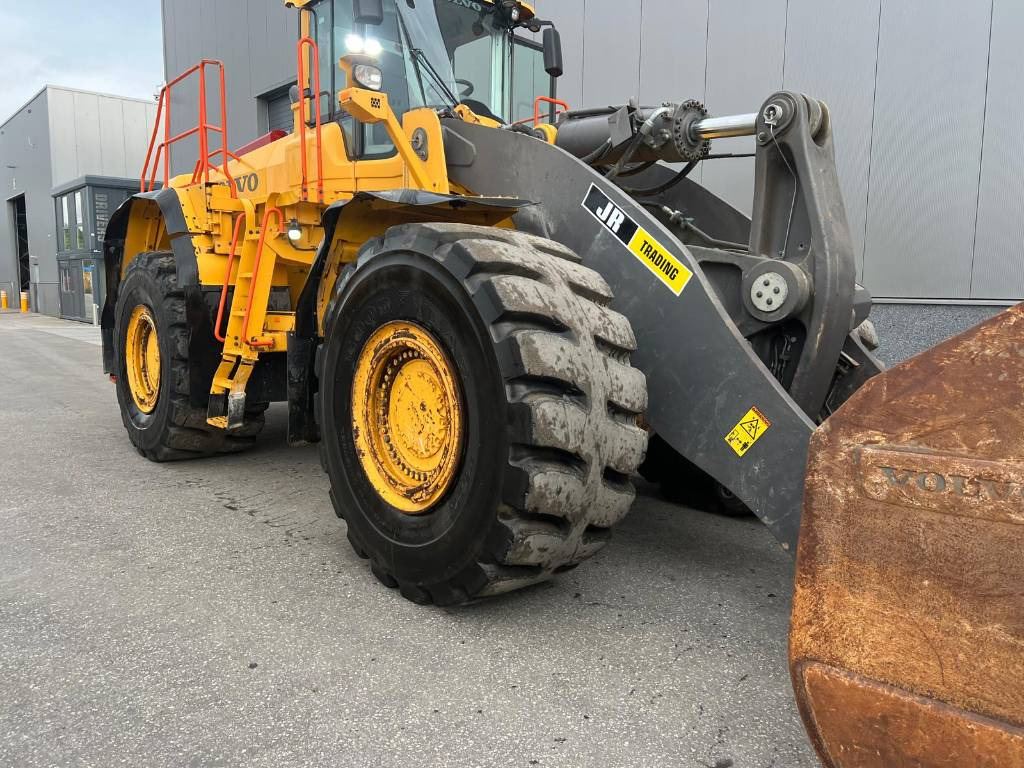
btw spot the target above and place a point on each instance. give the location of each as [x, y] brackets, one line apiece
[431, 53]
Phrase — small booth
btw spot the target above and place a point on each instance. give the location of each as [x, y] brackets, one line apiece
[84, 206]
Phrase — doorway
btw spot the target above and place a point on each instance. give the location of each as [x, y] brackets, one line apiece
[20, 220]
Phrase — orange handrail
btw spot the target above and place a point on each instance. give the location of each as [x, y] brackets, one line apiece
[546, 99]
[536, 119]
[227, 279]
[303, 78]
[251, 341]
[203, 128]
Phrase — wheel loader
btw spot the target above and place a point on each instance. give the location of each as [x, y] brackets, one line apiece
[484, 320]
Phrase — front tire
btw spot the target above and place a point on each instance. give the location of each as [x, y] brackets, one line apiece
[546, 406]
[151, 343]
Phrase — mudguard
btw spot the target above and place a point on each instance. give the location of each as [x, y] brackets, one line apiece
[113, 254]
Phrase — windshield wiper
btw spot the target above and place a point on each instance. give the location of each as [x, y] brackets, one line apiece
[420, 56]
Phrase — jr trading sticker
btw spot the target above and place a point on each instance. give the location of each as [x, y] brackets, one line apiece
[639, 241]
[750, 429]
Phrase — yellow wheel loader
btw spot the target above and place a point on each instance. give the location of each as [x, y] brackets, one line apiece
[484, 320]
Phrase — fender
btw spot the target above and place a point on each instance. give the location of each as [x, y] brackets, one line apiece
[375, 210]
[184, 257]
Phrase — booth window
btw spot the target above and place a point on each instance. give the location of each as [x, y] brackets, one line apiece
[65, 223]
[79, 220]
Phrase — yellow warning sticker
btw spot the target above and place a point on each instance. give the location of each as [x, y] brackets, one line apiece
[750, 429]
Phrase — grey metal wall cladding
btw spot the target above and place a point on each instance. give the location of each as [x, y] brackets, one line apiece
[905, 80]
[831, 48]
[673, 54]
[568, 16]
[611, 39]
[25, 163]
[256, 41]
[998, 252]
[60, 136]
[745, 53]
[926, 151]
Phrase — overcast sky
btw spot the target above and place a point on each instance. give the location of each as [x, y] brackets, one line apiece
[109, 46]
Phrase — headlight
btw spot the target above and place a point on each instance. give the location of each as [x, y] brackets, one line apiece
[368, 45]
[368, 76]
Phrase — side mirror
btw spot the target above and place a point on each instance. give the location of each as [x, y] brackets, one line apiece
[370, 12]
[553, 52]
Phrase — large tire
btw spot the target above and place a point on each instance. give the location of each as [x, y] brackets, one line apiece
[173, 429]
[550, 405]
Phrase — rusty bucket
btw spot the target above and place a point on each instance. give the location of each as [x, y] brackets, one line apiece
[907, 639]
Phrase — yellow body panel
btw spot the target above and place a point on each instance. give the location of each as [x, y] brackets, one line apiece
[256, 229]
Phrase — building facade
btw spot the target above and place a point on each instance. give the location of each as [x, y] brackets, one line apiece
[66, 157]
[924, 98]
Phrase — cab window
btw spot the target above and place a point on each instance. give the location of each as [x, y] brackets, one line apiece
[529, 79]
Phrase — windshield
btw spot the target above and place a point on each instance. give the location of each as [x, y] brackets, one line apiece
[432, 53]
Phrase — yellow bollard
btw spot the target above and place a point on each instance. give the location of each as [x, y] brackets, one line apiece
[3, 299]
[24, 301]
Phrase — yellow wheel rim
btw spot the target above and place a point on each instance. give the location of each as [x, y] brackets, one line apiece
[407, 417]
[142, 353]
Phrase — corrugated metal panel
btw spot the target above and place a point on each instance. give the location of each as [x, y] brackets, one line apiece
[925, 159]
[62, 136]
[112, 143]
[87, 134]
[998, 267]
[745, 59]
[835, 62]
[242, 126]
[274, 62]
[138, 122]
[611, 54]
[916, 210]
[568, 16]
[184, 96]
[673, 55]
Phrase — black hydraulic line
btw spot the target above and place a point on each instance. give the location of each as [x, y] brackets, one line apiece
[687, 169]
[597, 153]
[626, 157]
[677, 218]
[640, 168]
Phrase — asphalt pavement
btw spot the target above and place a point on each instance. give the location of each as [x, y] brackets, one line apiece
[211, 613]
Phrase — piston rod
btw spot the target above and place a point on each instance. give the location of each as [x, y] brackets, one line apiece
[725, 127]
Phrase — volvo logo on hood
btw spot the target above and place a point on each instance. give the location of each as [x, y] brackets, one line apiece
[471, 4]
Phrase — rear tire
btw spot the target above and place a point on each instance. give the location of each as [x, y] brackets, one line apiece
[173, 429]
[549, 409]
